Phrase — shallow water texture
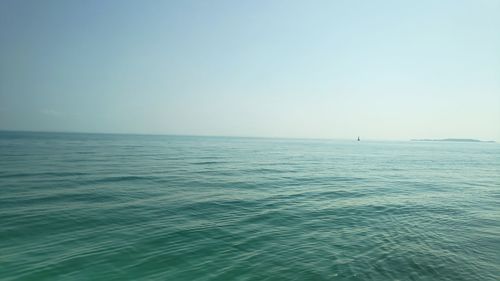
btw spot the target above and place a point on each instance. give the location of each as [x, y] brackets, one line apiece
[131, 207]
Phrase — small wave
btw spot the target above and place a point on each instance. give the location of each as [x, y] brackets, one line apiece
[116, 179]
[208, 163]
[47, 174]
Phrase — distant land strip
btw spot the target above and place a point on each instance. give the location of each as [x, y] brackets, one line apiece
[454, 140]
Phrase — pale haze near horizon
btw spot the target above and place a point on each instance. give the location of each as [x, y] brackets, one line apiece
[308, 69]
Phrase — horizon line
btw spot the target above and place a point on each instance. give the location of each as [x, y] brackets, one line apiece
[213, 136]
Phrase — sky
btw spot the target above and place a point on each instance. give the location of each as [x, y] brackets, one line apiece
[308, 69]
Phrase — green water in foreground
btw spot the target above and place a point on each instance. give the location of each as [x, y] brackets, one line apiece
[128, 207]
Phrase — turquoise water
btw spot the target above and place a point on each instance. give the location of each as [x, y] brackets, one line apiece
[131, 207]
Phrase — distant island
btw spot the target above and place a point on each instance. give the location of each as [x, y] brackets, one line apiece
[454, 140]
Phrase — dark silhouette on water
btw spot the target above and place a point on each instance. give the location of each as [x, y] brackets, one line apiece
[358, 138]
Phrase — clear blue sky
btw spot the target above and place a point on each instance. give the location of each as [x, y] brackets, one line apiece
[318, 69]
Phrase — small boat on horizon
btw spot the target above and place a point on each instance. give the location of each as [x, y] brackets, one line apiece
[358, 139]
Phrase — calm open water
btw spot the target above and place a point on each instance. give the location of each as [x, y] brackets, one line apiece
[130, 207]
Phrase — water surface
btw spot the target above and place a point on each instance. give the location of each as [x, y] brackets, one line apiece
[132, 207]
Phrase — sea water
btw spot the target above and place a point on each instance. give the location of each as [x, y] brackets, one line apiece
[137, 207]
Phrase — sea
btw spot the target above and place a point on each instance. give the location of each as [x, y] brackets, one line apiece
[79, 206]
